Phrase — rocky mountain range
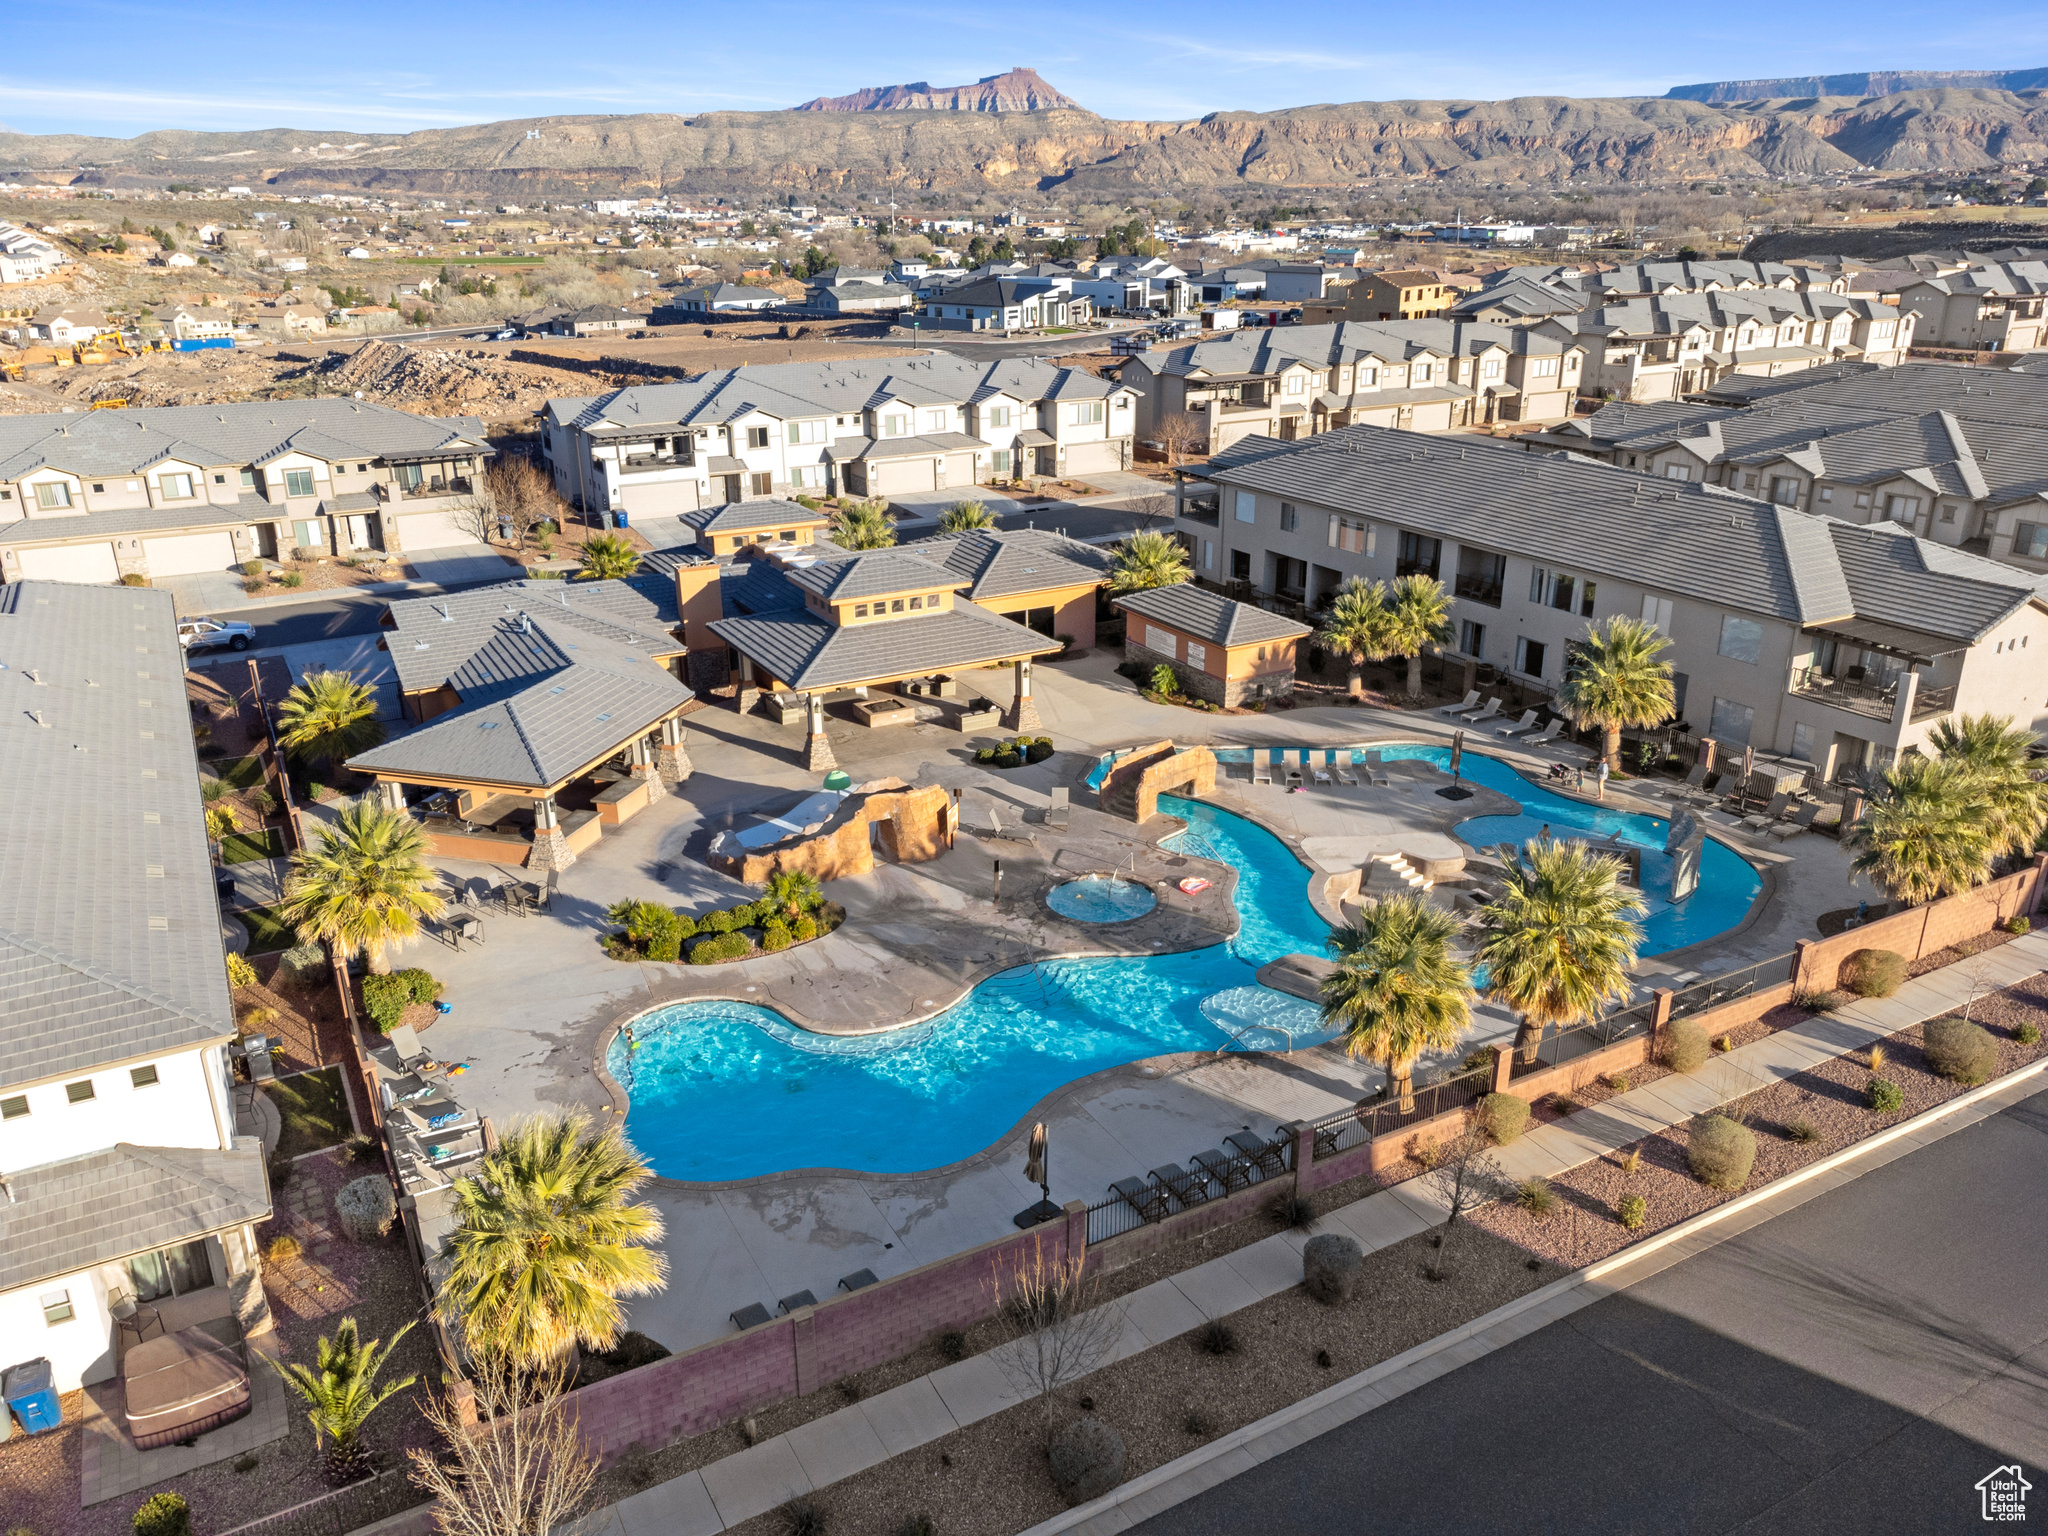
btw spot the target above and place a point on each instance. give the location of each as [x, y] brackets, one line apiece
[1019, 90]
[1538, 140]
[1885, 82]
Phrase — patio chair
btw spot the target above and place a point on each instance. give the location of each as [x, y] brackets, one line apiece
[752, 1315]
[412, 1056]
[1775, 811]
[1189, 1189]
[1321, 773]
[1268, 1157]
[1230, 1169]
[1056, 812]
[1262, 768]
[1345, 775]
[1470, 701]
[1476, 716]
[1802, 821]
[1527, 722]
[1692, 783]
[130, 1316]
[797, 1299]
[1148, 1200]
[1543, 737]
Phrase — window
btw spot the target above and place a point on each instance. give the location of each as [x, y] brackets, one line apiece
[2030, 540]
[53, 496]
[1247, 507]
[761, 484]
[1682, 472]
[1542, 367]
[1863, 498]
[1294, 384]
[56, 1307]
[1240, 565]
[1086, 413]
[1287, 517]
[1418, 555]
[1731, 723]
[1208, 555]
[1161, 640]
[1482, 575]
[1490, 369]
[142, 1077]
[806, 432]
[860, 610]
[79, 1092]
[1826, 493]
[1351, 534]
[757, 437]
[14, 1108]
[1368, 378]
[1785, 490]
[299, 482]
[996, 416]
[999, 461]
[175, 1271]
[362, 469]
[1528, 656]
[1802, 742]
[1657, 613]
[1902, 509]
[1563, 591]
[1424, 372]
[1948, 511]
[895, 425]
[895, 605]
[175, 487]
[808, 477]
[1741, 639]
[937, 421]
[917, 605]
[1471, 638]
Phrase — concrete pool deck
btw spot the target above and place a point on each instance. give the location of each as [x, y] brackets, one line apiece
[534, 1003]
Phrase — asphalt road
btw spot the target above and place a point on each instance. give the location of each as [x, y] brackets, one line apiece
[1855, 1365]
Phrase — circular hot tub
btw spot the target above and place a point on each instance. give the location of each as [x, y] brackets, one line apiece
[1101, 899]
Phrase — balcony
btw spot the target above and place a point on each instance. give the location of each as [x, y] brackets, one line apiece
[459, 485]
[1873, 698]
[1478, 589]
[642, 462]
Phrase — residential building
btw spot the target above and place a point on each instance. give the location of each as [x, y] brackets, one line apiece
[178, 490]
[714, 298]
[591, 320]
[27, 257]
[126, 1172]
[732, 526]
[286, 321]
[1222, 650]
[66, 325]
[1009, 304]
[1996, 307]
[859, 299]
[195, 322]
[1836, 644]
[1409, 293]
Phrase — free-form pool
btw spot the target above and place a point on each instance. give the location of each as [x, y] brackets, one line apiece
[724, 1090]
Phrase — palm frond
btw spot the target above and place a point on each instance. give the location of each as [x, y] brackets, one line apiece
[364, 883]
[328, 717]
[1559, 941]
[1147, 560]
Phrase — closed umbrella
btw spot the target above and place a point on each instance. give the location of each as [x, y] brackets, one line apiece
[1037, 1164]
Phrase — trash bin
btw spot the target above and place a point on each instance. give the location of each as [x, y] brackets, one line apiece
[619, 519]
[30, 1390]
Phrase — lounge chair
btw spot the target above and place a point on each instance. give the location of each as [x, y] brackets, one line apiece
[1262, 767]
[1527, 722]
[1321, 773]
[1230, 1169]
[1543, 737]
[1775, 811]
[1470, 701]
[1344, 773]
[412, 1056]
[1474, 718]
[1056, 812]
[1802, 821]
[1692, 782]
[1269, 1157]
[1293, 775]
[1148, 1200]
[1187, 1188]
[859, 1280]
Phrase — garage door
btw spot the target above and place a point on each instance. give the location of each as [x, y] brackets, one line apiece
[662, 499]
[189, 553]
[434, 530]
[1091, 458]
[70, 562]
[903, 475]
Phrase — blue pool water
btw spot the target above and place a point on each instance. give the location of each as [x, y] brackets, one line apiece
[731, 1090]
[1100, 899]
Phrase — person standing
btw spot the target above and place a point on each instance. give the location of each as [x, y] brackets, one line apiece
[1600, 787]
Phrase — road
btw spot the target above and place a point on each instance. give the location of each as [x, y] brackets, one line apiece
[1854, 1365]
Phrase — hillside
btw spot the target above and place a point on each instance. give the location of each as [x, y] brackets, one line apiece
[1529, 140]
[1886, 82]
[1020, 90]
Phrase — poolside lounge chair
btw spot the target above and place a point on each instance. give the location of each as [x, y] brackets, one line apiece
[1293, 775]
[1262, 767]
[1188, 1188]
[1692, 782]
[1775, 811]
[1320, 772]
[1470, 701]
[1527, 722]
[801, 1298]
[1269, 1157]
[1802, 821]
[1230, 1169]
[1546, 735]
[752, 1315]
[1056, 812]
[1344, 773]
[1148, 1200]
[412, 1056]
[1477, 715]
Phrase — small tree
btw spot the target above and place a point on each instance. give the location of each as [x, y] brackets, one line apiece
[1062, 1328]
[522, 1471]
[1356, 628]
[1147, 560]
[1180, 434]
[524, 498]
[793, 892]
[965, 517]
[1615, 679]
[329, 717]
[341, 1392]
[863, 525]
[609, 557]
[1418, 615]
[1466, 1176]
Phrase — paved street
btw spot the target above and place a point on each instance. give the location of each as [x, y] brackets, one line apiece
[1854, 1365]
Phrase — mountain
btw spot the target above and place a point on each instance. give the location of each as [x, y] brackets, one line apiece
[1021, 90]
[1886, 82]
[1529, 141]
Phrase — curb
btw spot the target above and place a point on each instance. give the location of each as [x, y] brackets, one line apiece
[1200, 1467]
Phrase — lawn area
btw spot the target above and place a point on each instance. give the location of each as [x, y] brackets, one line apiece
[268, 931]
[314, 1112]
[242, 773]
[247, 847]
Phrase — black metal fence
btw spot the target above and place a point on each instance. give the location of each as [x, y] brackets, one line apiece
[1580, 1039]
[1370, 1121]
[1209, 1176]
[343, 1510]
[1732, 985]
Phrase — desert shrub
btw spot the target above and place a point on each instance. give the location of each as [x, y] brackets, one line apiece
[1217, 1337]
[721, 921]
[1874, 1058]
[722, 946]
[2028, 1033]
[775, 938]
[1724, 1043]
[1618, 1081]
[1292, 1210]
[385, 999]
[364, 1208]
[420, 985]
[280, 1248]
[984, 754]
[1087, 1459]
[292, 579]
[1802, 1130]
[1536, 1197]
[211, 790]
[252, 567]
[1330, 1267]
[256, 1021]
[1503, 1116]
[1720, 1152]
[240, 972]
[1632, 1212]
[1633, 1161]
[302, 965]
[252, 585]
[134, 579]
[1816, 999]
[1873, 972]
[805, 930]
[1960, 1050]
[1038, 752]
[164, 1514]
[802, 1516]
[2017, 925]
[1884, 1096]
[363, 1149]
[1562, 1104]
[953, 1344]
[1685, 1046]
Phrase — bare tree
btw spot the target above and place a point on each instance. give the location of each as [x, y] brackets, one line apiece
[1153, 510]
[1062, 1328]
[521, 1470]
[1181, 434]
[524, 496]
[1466, 1177]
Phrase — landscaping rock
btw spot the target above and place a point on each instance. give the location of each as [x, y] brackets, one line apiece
[365, 1209]
[1087, 1460]
[1330, 1267]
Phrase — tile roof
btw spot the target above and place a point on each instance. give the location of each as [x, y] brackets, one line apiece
[109, 930]
[1210, 616]
[807, 653]
[873, 573]
[1007, 563]
[763, 512]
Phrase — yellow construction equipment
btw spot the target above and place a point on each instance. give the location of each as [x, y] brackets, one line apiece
[110, 405]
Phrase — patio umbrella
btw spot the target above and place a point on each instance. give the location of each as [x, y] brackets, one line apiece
[1036, 1160]
[1457, 754]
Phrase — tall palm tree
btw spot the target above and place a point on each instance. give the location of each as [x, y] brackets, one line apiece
[609, 557]
[1615, 679]
[863, 525]
[965, 517]
[1356, 627]
[1418, 614]
[1397, 990]
[1926, 830]
[364, 884]
[329, 717]
[340, 1391]
[1559, 941]
[548, 1238]
[1998, 757]
[1143, 561]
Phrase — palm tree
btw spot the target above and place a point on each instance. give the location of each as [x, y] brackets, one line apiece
[548, 1238]
[1998, 756]
[1560, 939]
[863, 525]
[1926, 830]
[340, 1392]
[1356, 627]
[1418, 614]
[1147, 560]
[1397, 990]
[364, 884]
[1615, 680]
[793, 892]
[329, 717]
[609, 557]
[965, 517]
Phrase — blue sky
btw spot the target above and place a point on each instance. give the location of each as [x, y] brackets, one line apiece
[384, 67]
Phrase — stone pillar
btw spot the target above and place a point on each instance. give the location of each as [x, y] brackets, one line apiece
[1074, 1216]
[1908, 688]
[391, 794]
[671, 758]
[1707, 750]
[1022, 715]
[818, 756]
[1658, 1020]
[1301, 1155]
[1503, 1067]
[640, 766]
[551, 849]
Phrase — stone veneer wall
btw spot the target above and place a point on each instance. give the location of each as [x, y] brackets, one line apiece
[916, 825]
[1226, 693]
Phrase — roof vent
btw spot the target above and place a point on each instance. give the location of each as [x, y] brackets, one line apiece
[447, 617]
[487, 725]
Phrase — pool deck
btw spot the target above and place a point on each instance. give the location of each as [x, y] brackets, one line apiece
[535, 1003]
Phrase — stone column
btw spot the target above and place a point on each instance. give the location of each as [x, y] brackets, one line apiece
[671, 759]
[551, 849]
[1022, 715]
[818, 756]
[640, 767]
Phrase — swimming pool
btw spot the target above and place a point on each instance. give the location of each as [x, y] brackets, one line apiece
[725, 1090]
[1101, 899]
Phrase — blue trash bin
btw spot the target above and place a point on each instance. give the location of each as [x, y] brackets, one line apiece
[30, 1390]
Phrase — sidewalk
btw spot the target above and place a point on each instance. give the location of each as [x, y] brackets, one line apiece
[725, 1493]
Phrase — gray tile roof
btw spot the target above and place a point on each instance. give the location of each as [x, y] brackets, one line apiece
[435, 640]
[872, 573]
[763, 512]
[106, 1206]
[1269, 349]
[1210, 616]
[1007, 563]
[107, 525]
[807, 653]
[109, 930]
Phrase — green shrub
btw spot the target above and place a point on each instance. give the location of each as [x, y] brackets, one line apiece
[721, 921]
[665, 940]
[2028, 1034]
[729, 945]
[984, 754]
[164, 1514]
[805, 930]
[775, 938]
[211, 790]
[1803, 1131]
[1720, 1152]
[1038, 752]
[240, 972]
[1685, 1046]
[1007, 758]
[385, 999]
[1960, 1050]
[1632, 1212]
[1873, 972]
[686, 926]
[252, 567]
[1884, 1096]
[1165, 680]
[291, 579]
[1817, 1000]
[2017, 925]
[1503, 1116]
[423, 987]
[252, 585]
[134, 579]
[1536, 1197]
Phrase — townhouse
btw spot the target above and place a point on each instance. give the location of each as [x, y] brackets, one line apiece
[1009, 304]
[1408, 293]
[104, 495]
[1995, 307]
[935, 422]
[1835, 644]
[26, 257]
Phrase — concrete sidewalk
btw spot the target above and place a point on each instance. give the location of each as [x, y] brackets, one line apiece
[865, 1434]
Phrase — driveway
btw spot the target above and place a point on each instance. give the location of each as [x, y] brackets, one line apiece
[461, 565]
[203, 592]
[1855, 1365]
